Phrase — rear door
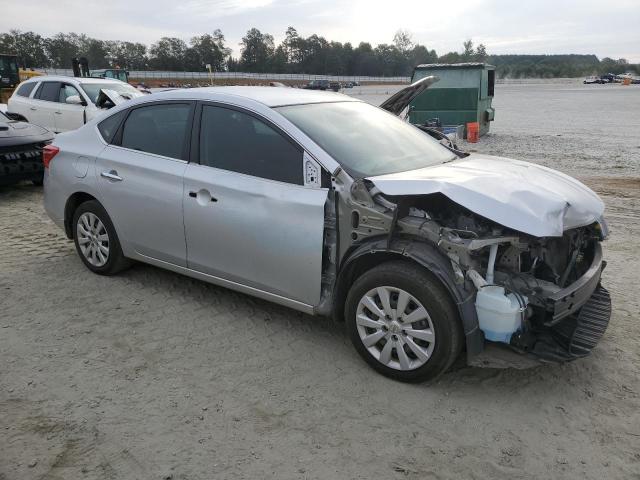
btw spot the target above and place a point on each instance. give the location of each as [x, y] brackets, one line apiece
[248, 216]
[43, 104]
[140, 177]
[20, 101]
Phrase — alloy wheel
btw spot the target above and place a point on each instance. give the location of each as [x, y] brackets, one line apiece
[93, 239]
[395, 328]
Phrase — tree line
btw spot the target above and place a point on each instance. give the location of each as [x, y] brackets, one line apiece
[295, 54]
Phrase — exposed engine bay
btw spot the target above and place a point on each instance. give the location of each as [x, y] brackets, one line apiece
[529, 292]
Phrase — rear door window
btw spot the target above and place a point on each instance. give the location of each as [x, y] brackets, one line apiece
[25, 89]
[159, 129]
[109, 126]
[49, 91]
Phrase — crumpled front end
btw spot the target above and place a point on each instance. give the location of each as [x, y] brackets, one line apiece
[538, 295]
[534, 295]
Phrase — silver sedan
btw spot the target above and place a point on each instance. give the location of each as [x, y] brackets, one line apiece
[331, 206]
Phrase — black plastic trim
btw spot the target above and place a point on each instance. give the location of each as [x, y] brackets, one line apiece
[570, 299]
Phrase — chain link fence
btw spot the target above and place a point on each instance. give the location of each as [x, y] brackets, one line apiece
[204, 76]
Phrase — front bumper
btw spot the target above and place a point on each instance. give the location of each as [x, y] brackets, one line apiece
[577, 316]
[573, 337]
[570, 299]
[576, 319]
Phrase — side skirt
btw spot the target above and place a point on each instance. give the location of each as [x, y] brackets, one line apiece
[255, 292]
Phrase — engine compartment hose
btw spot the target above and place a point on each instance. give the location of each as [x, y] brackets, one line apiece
[477, 279]
[492, 262]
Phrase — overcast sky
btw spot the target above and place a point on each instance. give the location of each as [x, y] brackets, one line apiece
[604, 27]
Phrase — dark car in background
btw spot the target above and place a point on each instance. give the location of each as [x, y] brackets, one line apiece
[335, 86]
[317, 85]
[21, 146]
[592, 79]
[608, 78]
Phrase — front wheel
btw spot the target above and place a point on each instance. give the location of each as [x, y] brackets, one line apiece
[403, 322]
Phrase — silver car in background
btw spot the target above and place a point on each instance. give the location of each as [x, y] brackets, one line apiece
[331, 206]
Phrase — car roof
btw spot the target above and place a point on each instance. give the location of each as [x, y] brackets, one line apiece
[269, 96]
[62, 78]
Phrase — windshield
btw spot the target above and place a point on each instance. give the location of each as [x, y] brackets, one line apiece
[8, 65]
[124, 89]
[365, 140]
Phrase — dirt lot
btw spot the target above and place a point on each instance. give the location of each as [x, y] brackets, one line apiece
[153, 375]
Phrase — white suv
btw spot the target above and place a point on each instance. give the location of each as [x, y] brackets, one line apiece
[66, 103]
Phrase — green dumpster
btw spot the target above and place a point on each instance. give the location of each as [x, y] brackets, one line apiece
[462, 95]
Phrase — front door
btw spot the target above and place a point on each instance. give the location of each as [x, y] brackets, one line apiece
[248, 216]
[141, 177]
[68, 116]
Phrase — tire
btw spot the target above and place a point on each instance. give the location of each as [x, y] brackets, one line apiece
[437, 336]
[38, 183]
[93, 232]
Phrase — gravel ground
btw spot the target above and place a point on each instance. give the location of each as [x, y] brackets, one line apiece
[154, 375]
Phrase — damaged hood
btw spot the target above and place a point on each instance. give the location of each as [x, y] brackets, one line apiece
[397, 103]
[107, 95]
[529, 198]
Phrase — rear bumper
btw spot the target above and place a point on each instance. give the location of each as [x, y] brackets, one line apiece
[19, 164]
[53, 200]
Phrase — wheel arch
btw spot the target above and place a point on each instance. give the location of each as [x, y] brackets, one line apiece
[73, 202]
[436, 264]
[16, 116]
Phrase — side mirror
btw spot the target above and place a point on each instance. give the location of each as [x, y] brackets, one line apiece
[75, 100]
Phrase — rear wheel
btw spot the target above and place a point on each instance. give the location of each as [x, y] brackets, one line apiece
[96, 241]
[403, 322]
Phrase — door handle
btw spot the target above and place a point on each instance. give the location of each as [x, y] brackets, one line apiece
[33, 108]
[111, 175]
[205, 192]
[59, 113]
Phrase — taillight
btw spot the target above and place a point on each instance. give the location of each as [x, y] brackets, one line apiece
[48, 152]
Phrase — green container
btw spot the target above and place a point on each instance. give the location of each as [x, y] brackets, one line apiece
[462, 95]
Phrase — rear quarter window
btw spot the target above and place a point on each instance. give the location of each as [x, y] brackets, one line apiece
[25, 89]
[109, 126]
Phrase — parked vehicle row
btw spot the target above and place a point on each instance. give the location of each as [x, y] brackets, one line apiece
[423, 251]
[611, 78]
[329, 85]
